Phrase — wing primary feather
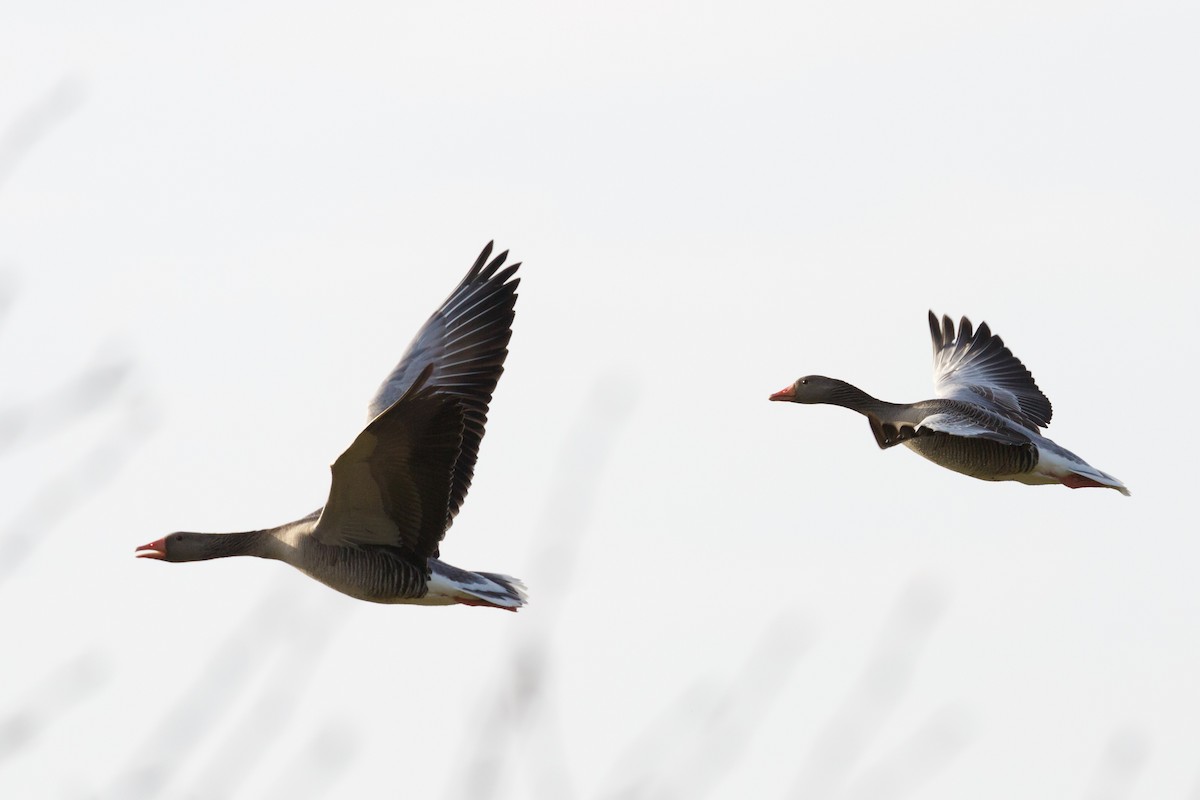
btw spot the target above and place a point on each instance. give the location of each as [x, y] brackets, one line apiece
[935, 332]
[464, 343]
[965, 332]
[479, 262]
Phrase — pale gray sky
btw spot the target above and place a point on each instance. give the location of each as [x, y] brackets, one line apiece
[257, 204]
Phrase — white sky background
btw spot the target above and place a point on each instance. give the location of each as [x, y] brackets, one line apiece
[257, 205]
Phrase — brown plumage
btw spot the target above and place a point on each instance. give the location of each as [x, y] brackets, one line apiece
[397, 488]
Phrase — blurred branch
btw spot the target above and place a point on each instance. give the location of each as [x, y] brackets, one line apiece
[228, 671]
[1120, 766]
[323, 760]
[845, 738]
[66, 687]
[660, 741]
[36, 122]
[265, 721]
[908, 767]
[722, 734]
[84, 394]
[740, 712]
[580, 468]
[62, 493]
[6, 296]
[518, 704]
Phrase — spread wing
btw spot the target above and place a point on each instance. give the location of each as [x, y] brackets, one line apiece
[463, 345]
[392, 486]
[956, 423]
[965, 420]
[974, 366]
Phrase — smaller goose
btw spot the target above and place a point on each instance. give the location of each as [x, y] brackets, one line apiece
[984, 422]
[397, 488]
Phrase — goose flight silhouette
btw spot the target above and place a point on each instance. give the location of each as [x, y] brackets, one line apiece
[397, 488]
[986, 418]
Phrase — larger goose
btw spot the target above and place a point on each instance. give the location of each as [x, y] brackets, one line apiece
[397, 488]
[984, 422]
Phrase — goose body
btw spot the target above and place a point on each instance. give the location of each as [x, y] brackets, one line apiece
[985, 421]
[397, 488]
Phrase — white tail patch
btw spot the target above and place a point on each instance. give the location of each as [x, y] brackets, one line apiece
[449, 585]
[1075, 474]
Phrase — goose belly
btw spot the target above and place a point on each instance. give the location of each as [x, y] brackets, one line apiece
[374, 576]
[980, 458]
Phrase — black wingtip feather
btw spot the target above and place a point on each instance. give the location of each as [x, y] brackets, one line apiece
[503, 277]
[986, 333]
[498, 262]
[488, 274]
[965, 332]
[479, 262]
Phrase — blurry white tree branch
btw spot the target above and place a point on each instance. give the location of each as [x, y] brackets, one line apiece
[1119, 767]
[32, 126]
[99, 390]
[519, 705]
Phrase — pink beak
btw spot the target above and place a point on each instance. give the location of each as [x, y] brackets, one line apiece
[156, 550]
[787, 393]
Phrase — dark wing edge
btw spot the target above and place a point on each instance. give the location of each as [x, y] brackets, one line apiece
[974, 365]
[466, 343]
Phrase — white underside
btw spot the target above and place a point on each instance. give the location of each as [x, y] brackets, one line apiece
[1054, 467]
[444, 590]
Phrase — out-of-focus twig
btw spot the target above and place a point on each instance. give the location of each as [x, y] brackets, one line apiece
[518, 703]
[62, 493]
[229, 669]
[721, 736]
[659, 741]
[82, 395]
[35, 123]
[844, 739]
[323, 760]
[6, 295]
[1120, 766]
[264, 721]
[916, 760]
[66, 687]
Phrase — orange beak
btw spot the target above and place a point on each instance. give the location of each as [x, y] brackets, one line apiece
[157, 550]
[787, 393]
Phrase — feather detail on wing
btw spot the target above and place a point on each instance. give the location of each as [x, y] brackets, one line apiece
[954, 423]
[974, 366]
[392, 486]
[464, 344]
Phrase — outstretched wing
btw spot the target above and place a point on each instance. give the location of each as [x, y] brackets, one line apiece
[956, 423]
[392, 486]
[464, 344]
[965, 420]
[974, 366]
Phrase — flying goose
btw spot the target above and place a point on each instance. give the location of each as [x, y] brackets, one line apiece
[397, 488]
[984, 422]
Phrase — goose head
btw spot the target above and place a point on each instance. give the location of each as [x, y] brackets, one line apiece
[182, 546]
[810, 389]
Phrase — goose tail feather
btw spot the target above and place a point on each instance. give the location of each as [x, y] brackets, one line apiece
[1059, 465]
[1100, 480]
[453, 585]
